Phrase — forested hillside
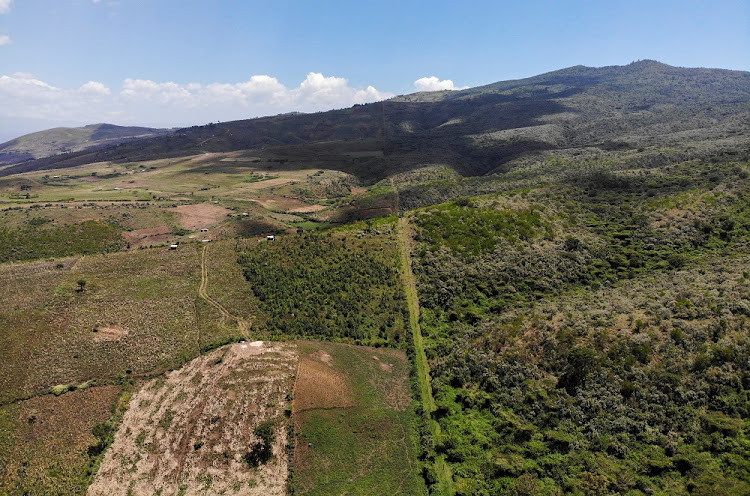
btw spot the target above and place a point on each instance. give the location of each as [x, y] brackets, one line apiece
[590, 336]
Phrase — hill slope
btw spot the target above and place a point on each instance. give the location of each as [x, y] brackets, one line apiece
[69, 139]
[645, 106]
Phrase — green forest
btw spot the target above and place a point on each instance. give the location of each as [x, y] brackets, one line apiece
[597, 343]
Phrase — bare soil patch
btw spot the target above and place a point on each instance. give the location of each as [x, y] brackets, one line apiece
[189, 431]
[89, 179]
[200, 215]
[308, 209]
[269, 183]
[109, 333]
[286, 204]
[387, 367]
[148, 237]
[322, 356]
[320, 386]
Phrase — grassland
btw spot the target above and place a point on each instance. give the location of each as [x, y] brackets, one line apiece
[144, 312]
[103, 207]
[355, 422]
[51, 438]
[136, 316]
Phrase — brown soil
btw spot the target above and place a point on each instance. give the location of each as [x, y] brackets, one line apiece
[322, 356]
[268, 183]
[286, 204]
[187, 432]
[200, 215]
[319, 385]
[109, 333]
[383, 366]
[308, 209]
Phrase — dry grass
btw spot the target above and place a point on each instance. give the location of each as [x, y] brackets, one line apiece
[200, 215]
[52, 436]
[319, 385]
[51, 336]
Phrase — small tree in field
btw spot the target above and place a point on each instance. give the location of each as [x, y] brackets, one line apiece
[81, 285]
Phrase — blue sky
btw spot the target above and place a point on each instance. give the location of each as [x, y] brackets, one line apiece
[181, 62]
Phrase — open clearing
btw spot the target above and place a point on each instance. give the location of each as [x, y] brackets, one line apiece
[189, 431]
[355, 422]
[200, 215]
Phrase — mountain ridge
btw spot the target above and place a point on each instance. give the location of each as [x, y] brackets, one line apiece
[644, 105]
[59, 140]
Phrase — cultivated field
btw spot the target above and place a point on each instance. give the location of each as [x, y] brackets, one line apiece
[193, 430]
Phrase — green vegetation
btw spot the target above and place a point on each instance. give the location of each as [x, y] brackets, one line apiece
[260, 452]
[329, 286]
[601, 352]
[33, 241]
[471, 231]
[578, 324]
[355, 422]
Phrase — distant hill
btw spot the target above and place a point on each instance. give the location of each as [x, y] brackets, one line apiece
[69, 139]
[645, 107]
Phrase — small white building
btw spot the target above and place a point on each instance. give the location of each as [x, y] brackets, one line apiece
[270, 237]
[205, 241]
[172, 247]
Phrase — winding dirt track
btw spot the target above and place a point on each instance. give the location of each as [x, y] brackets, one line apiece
[242, 324]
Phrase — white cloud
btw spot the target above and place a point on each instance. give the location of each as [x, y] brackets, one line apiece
[5, 40]
[94, 88]
[432, 83]
[147, 102]
[5, 6]
[320, 92]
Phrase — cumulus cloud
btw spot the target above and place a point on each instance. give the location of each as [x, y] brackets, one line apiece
[23, 96]
[94, 88]
[5, 40]
[432, 83]
[147, 102]
[5, 6]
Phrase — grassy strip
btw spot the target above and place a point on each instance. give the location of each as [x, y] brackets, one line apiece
[438, 476]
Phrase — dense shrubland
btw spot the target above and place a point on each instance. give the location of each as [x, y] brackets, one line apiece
[597, 344]
[329, 286]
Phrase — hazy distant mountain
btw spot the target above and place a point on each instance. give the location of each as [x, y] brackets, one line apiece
[645, 106]
[69, 139]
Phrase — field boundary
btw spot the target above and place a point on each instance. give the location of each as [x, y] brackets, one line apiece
[442, 470]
